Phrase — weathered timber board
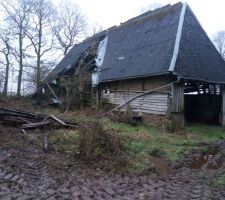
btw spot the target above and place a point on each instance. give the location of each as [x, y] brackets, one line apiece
[155, 103]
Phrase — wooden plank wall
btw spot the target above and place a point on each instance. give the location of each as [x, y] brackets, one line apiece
[154, 103]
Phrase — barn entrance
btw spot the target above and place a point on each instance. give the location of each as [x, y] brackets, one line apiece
[202, 102]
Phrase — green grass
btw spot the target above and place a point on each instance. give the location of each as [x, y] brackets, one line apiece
[219, 181]
[148, 140]
[208, 133]
[142, 142]
[64, 141]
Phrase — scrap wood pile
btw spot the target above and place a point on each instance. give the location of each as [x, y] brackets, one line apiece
[29, 120]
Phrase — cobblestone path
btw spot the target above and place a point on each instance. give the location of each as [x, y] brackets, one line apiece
[23, 175]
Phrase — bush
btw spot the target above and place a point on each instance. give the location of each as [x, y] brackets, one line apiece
[97, 142]
[170, 126]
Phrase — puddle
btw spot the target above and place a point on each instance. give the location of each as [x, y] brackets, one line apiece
[209, 160]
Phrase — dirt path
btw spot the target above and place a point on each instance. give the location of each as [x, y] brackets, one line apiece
[23, 175]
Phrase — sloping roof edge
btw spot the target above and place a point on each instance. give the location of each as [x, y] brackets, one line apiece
[178, 38]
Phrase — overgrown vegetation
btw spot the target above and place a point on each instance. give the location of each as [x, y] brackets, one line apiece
[132, 146]
[97, 142]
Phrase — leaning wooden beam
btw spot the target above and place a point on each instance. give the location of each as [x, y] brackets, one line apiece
[137, 96]
[57, 119]
[54, 94]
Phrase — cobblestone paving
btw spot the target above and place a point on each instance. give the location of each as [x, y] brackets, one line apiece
[23, 175]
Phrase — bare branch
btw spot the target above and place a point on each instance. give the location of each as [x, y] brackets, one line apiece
[219, 42]
[70, 25]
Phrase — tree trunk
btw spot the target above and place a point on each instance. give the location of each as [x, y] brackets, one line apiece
[38, 77]
[19, 83]
[66, 50]
[5, 89]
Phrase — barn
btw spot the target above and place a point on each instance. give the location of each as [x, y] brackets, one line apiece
[161, 64]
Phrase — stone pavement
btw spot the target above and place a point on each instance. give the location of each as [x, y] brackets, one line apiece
[23, 175]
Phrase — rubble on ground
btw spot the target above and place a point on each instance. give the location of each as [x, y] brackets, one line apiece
[29, 120]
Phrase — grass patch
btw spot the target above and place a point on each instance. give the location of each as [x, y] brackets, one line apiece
[142, 142]
[207, 133]
[64, 141]
[219, 181]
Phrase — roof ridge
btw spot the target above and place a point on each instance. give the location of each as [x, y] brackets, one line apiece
[151, 14]
[134, 19]
[147, 13]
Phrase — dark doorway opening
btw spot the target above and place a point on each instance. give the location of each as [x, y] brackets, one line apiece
[202, 102]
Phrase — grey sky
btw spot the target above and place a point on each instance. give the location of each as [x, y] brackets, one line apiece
[210, 13]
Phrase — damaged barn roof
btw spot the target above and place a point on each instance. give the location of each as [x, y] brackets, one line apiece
[73, 56]
[163, 41]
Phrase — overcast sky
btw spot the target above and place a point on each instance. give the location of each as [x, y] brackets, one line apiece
[211, 13]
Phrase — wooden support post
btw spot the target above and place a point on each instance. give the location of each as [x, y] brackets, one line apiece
[177, 98]
[177, 105]
[45, 142]
[223, 106]
[98, 95]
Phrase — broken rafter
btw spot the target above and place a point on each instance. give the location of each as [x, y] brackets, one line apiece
[54, 94]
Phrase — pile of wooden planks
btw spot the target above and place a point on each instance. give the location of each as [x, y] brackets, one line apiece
[30, 120]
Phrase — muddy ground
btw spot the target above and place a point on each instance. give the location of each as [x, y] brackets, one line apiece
[28, 173]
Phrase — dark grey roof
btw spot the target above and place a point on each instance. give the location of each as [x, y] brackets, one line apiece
[142, 46]
[145, 45]
[198, 57]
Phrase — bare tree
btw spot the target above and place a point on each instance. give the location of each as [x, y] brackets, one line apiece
[17, 16]
[70, 25]
[219, 42]
[40, 34]
[5, 61]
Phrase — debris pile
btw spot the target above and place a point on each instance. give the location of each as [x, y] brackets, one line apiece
[29, 120]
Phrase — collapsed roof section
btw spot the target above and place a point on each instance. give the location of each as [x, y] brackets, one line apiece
[74, 55]
[168, 40]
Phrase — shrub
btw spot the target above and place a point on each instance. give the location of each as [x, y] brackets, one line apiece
[97, 142]
[170, 126]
